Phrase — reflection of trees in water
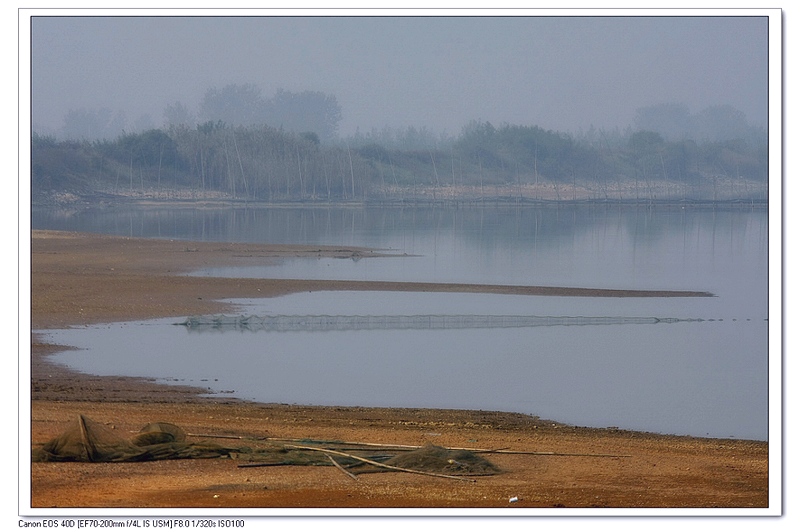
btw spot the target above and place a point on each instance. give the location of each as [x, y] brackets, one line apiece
[485, 227]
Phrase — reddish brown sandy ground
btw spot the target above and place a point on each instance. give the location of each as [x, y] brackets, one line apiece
[78, 279]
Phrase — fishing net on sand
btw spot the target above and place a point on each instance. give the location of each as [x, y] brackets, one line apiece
[88, 441]
[85, 440]
[431, 459]
[448, 461]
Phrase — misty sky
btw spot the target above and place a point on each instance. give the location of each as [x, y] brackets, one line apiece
[561, 73]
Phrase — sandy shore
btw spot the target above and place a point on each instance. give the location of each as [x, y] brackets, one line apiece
[78, 279]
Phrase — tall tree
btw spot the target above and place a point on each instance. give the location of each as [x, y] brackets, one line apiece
[672, 120]
[236, 105]
[93, 124]
[306, 111]
[178, 114]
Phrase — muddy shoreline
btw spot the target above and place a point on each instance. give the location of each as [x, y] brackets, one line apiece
[79, 279]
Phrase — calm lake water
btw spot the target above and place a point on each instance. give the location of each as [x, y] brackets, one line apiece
[702, 372]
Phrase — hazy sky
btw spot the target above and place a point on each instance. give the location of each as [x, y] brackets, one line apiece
[562, 73]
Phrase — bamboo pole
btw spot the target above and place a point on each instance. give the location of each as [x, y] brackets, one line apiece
[340, 468]
[389, 446]
[400, 447]
[257, 438]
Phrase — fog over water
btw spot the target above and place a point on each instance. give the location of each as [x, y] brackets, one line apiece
[566, 73]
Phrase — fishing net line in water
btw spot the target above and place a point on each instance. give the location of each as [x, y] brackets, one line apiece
[280, 323]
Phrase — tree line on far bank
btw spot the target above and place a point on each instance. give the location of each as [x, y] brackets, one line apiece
[264, 163]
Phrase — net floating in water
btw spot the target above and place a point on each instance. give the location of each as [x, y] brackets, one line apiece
[281, 323]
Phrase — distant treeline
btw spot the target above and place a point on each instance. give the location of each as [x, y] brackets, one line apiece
[265, 163]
